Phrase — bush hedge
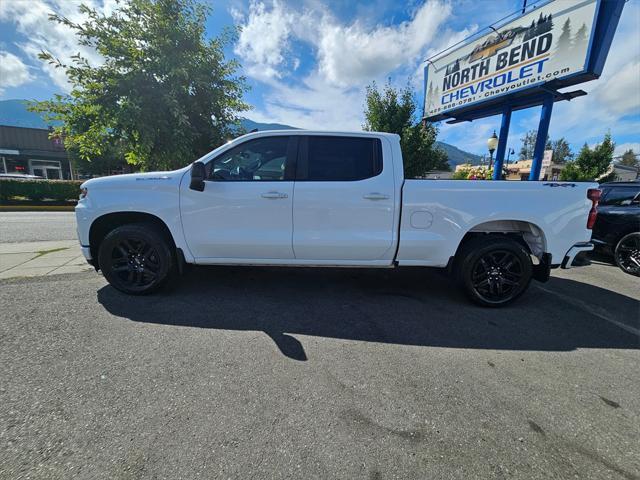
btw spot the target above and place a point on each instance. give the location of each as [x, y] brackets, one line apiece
[38, 190]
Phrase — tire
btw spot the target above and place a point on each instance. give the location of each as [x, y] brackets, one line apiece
[136, 258]
[627, 254]
[493, 270]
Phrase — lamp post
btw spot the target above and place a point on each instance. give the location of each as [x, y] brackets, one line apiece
[492, 143]
[509, 153]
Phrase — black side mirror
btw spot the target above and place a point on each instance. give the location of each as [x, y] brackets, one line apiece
[198, 175]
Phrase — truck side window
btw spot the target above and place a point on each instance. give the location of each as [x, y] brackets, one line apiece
[342, 158]
[262, 159]
[620, 196]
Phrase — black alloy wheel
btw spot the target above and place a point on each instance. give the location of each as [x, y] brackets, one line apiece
[135, 262]
[497, 275]
[135, 258]
[493, 270]
[627, 254]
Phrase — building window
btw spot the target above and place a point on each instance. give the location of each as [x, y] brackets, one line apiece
[50, 169]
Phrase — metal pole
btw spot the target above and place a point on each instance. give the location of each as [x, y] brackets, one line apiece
[541, 138]
[502, 143]
[70, 167]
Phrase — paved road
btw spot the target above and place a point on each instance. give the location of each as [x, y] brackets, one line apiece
[36, 226]
[300, 373]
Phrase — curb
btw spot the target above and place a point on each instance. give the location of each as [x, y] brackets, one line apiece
[37, 208]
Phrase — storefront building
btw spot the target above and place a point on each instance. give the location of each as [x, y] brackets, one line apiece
[30, 151]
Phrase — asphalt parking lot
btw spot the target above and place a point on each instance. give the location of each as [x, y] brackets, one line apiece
[335, 373]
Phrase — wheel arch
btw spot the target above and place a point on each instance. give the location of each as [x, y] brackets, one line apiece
[623, 232]
[104, 224]
[530, 235]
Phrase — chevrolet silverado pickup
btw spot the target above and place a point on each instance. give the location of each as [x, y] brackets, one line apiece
[330, 199]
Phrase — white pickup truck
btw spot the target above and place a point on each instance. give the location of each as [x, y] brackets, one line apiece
[311, 198]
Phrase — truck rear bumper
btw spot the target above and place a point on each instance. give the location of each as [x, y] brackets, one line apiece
[570, 257]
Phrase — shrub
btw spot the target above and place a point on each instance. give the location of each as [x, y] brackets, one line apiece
[473, 172]
[37, 190]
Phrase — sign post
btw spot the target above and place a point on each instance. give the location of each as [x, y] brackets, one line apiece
[541, 138]
[502, 143]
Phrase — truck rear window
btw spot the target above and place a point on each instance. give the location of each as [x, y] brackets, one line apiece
[341, 158]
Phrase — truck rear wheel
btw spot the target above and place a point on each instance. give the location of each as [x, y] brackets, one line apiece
[493, 270]
[135, 258]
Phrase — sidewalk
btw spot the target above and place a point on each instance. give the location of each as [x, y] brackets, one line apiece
[34, 259]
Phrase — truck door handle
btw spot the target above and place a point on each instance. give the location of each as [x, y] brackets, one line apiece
[376, 196]
[274, 195]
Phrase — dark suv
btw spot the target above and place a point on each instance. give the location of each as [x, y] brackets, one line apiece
[617, 228]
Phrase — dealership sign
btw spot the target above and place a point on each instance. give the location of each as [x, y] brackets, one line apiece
[552, 42]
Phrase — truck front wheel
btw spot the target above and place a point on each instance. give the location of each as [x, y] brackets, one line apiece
[493, 270]
[135, 258]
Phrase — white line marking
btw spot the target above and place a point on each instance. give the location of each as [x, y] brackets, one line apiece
[593, 309]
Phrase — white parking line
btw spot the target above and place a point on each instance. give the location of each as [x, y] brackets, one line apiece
[593, 309]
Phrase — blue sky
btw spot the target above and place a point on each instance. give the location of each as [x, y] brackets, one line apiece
[307, 61]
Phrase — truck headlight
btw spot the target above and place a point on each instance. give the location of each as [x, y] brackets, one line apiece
[83, 193]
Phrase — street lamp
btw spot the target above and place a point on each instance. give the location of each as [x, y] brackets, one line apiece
[492, 143]
[509, 153]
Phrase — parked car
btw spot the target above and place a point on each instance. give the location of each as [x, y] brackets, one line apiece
[330, 199]
[20, 176]
[617, 228]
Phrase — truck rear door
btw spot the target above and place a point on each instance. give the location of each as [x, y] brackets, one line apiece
[344, 200]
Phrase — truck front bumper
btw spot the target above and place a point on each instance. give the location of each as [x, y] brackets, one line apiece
[579, 249]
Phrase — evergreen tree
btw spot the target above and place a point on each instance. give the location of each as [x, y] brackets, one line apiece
[561, 151]
[580, 38]
[630, 159]
[564, 40]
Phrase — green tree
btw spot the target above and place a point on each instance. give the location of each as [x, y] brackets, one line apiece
[590, 164]
[392, 110]
[561, 151]
[630, 159]
[529, 145]
[163, 95]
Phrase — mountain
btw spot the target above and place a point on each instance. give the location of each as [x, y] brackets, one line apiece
[249, 125]
[15, 113]
[457, 156]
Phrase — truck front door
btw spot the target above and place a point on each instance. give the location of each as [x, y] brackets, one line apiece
[245, 210]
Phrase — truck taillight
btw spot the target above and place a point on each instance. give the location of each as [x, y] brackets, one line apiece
[593, 194]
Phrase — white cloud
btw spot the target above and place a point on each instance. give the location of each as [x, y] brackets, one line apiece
[349, 54]
[13, 72]
[313, 104]
[30, 18]
[263, 39]
[346, 54]
[621, 90]
[347, 57]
